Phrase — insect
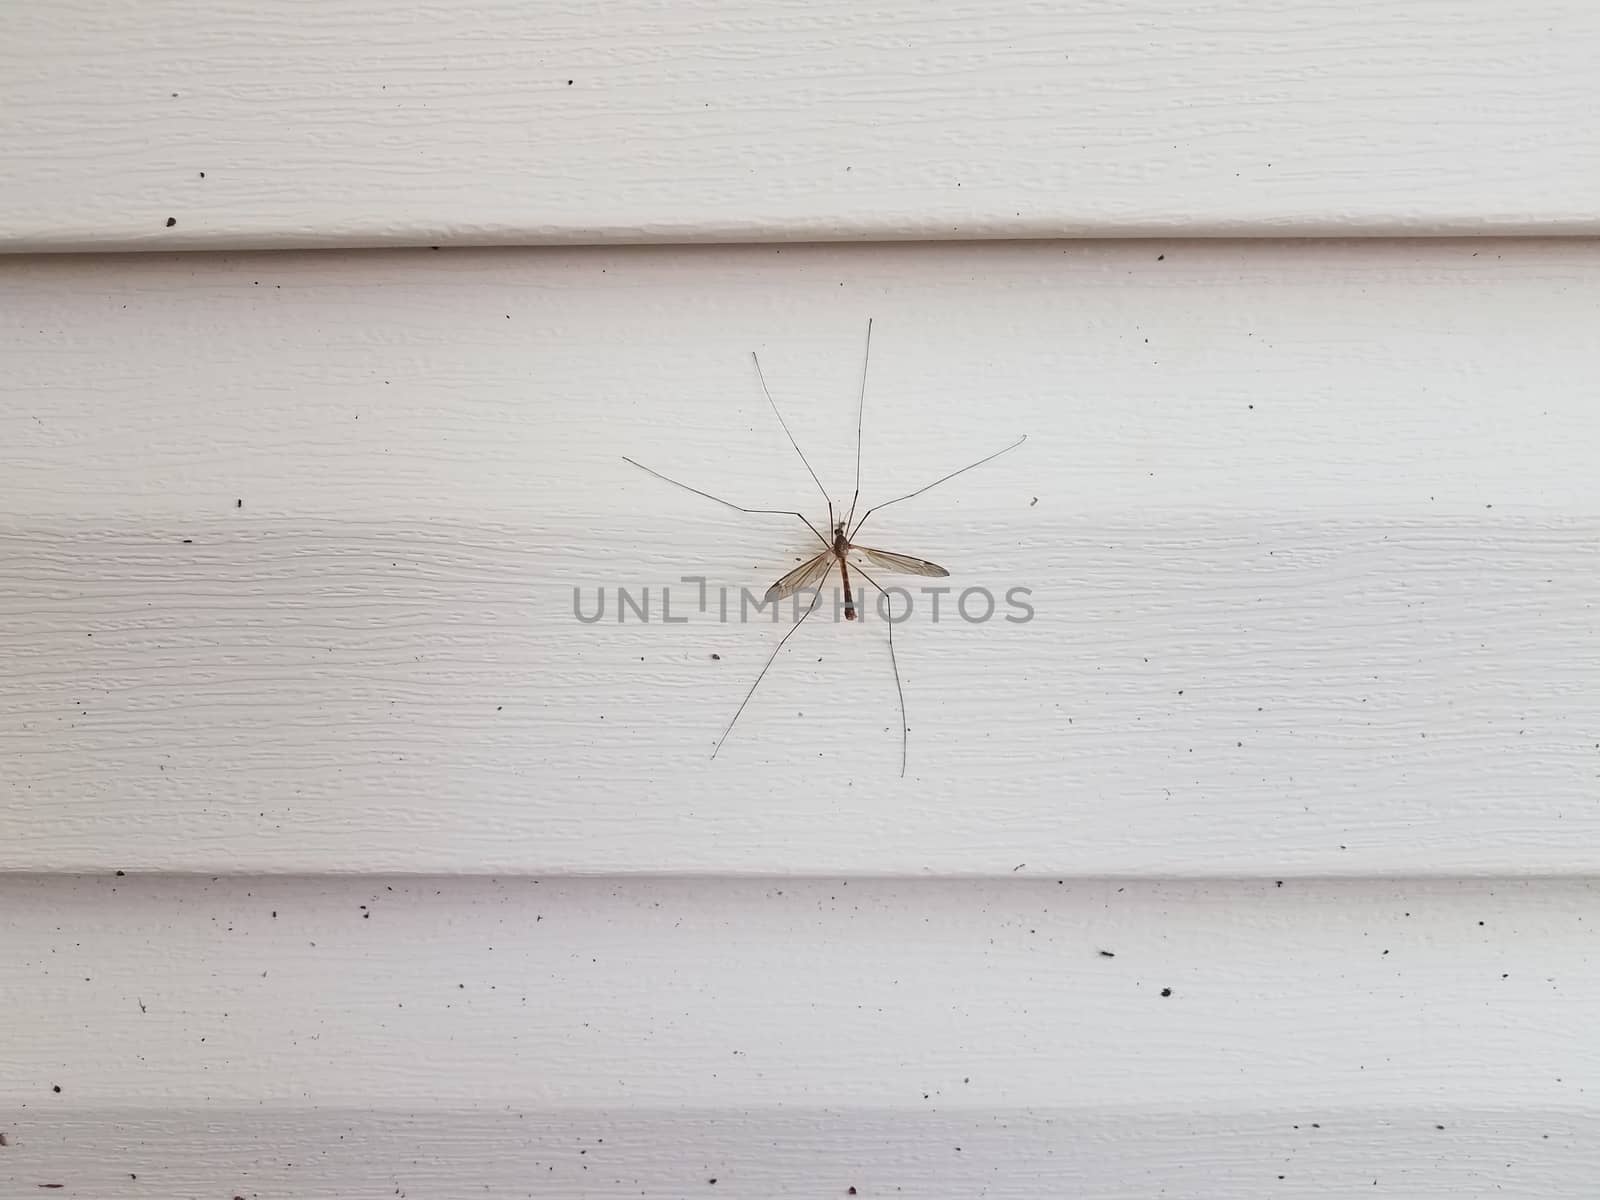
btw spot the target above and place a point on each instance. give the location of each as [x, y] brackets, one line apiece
[839, 549]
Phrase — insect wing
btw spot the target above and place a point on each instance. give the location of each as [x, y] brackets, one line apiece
[901, 562]
[803, 576]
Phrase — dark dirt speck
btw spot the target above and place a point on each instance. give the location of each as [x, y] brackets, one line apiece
[55, 1087]
[171, 221]
[1108, 954]
[1166, 991]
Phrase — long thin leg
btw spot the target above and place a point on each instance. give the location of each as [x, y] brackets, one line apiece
[861, 413]
[905, 728]
[777, 512]
[762, 376]
[934, 484]
[765, 668]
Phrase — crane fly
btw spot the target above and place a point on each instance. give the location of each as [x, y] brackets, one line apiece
[841, 548]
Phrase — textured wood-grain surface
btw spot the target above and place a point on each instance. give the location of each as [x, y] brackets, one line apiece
[192, 123]
[668, 1038]
[290, 543]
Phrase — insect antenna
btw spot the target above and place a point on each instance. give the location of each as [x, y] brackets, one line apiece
[777, 512]
[764, 669]
[905, 729]
[935, 483]
[861, 413]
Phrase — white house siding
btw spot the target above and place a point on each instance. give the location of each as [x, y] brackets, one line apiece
[366, 122]
[338, 859]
